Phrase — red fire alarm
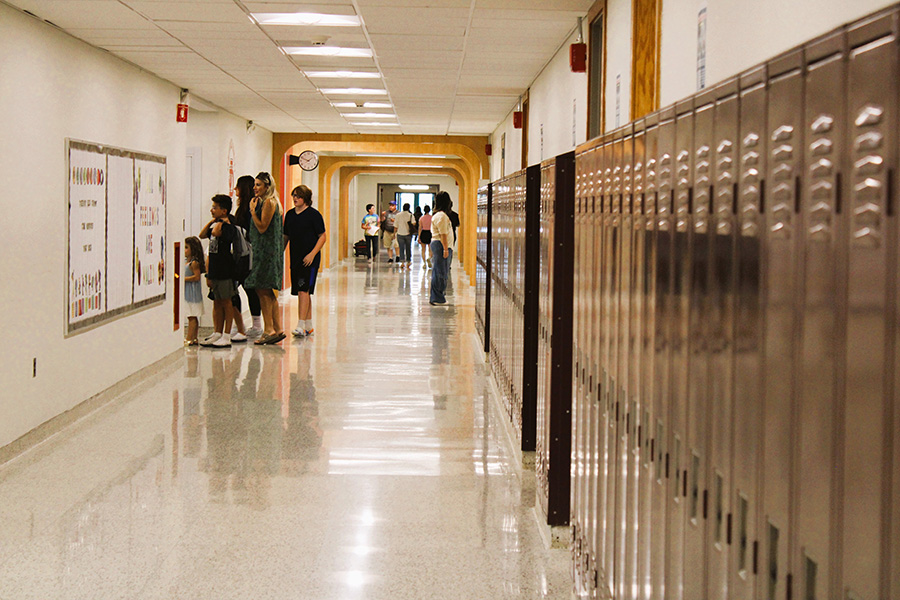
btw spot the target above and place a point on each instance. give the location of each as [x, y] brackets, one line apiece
[488, 149]
[578, 57]
[181, 115]
[517, 119]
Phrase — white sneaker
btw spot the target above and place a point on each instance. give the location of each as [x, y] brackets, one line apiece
[223, 342]
[211, 339]
[299, 331]
[238, 338]
[254, 332]
[234, 330]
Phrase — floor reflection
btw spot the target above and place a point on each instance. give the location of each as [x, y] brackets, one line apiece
[364, 462]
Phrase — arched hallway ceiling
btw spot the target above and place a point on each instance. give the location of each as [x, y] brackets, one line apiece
[457, 69]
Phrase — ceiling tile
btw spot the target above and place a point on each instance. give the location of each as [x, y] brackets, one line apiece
[206, 12]
[86, 14]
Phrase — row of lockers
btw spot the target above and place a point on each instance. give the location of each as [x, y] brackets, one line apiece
[735, 400]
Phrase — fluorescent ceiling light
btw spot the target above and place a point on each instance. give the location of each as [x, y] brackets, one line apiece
[353, 91]
[329, 51]
[369, 115]
[413, 167]
[344, 74]
[306, 19]
[361, 104]
[401, 156]
[408, 186]
[376, 124]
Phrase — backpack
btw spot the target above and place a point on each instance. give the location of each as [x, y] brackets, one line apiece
[242, 253]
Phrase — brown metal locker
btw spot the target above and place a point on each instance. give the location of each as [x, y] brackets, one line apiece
[639, 363]
[722, 285]
[748, 338]
[629, 359]
[577, 524]
[821, 229]
[780, 296]
[698, 410]
[872, 131]
[679, 302]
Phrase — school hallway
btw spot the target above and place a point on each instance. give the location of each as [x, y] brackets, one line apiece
[368, 461]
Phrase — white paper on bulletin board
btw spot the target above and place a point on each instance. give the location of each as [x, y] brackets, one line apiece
[112, 224]
[120, 231]
[149, 229]
[87, 233]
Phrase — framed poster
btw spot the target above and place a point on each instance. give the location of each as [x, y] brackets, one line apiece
[116, 227]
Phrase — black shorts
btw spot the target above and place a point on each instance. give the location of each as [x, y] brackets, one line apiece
[425, 237]
[303, 279]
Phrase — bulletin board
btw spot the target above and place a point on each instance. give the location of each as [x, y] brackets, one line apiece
[116, 224]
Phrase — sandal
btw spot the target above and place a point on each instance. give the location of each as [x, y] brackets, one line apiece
[275, 338]
[263, 339]
[193, 343]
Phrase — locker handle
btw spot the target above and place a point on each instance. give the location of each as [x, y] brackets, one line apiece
[890, 193]
[667, 465]
[643, 203]
[734, 198]
[762, 196]
[797, 190]
[838, 194]
[790, 586]
[709, 199]
[755, 557]
[652, 449]
[728, 529]
[705, 503]
[690, 201]
[684, 484]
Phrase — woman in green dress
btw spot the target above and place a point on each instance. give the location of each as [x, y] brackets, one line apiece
[268, 256]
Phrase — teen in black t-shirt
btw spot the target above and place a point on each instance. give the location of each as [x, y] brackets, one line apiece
[304, 233]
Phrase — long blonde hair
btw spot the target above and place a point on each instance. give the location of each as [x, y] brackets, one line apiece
[271, 190]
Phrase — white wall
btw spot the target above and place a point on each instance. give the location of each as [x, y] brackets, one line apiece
[54, 87]
[557, 102]
[740, 35]
[618, 62]
[558, 107]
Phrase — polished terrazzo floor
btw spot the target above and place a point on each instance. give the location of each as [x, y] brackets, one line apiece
[365, 462]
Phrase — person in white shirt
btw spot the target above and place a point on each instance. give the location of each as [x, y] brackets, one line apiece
[441, 248]
[403, 222]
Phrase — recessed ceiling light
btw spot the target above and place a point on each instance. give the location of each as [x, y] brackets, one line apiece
[330, 51]
[344, 74]
[414, 186]
[368, 115]
[376, 124]
[306, 19]
[377, 105]
[353, 91]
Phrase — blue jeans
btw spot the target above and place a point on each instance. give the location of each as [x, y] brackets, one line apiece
[405, 242]
[440, 271]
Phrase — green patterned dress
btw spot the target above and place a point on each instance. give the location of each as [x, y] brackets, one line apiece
[268, 253]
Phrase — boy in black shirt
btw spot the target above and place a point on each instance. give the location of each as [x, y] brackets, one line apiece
[304, 232]
[220, 273]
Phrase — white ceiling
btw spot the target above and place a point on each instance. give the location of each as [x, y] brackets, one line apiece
[452, 67]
